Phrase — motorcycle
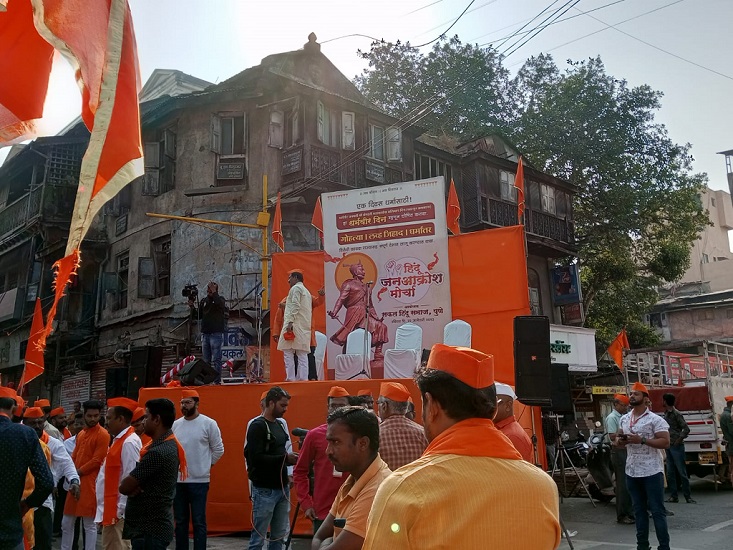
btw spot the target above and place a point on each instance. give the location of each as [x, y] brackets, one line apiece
[600, 470]
[577, 451]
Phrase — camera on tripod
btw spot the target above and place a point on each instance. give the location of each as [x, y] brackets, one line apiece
[190, 291]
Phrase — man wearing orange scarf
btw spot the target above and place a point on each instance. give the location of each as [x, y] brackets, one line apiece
[122, 457]
[91, 449]
[469, 466]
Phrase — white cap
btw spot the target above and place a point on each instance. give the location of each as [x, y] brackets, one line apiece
[505, 389]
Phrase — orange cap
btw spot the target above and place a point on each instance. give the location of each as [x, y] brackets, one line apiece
[33, 412]
[729, 398]
[8, 392]
[638, 386]
[364, 392]
[338, 391]
[124, 402]
[189, 393]
[42, 403]
[621, 398]
[264, 394]
[298, 270]
[137, 414]
[19, 402]
[394, 391]
[57, 411]
[470, 366]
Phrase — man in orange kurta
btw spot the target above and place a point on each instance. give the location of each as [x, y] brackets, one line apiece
[471, 488]
[92, 444]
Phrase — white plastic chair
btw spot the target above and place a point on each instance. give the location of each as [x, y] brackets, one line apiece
[350, 365]
[457, 333]
[320, 353]
[404, 359]
[355, 342]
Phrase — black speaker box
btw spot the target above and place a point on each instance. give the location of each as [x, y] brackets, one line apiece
[116, 382]
[145, 366]
[197, 373]
[560, 395]
[532, 360]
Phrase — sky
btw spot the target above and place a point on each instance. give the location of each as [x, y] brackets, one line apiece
[216, 39]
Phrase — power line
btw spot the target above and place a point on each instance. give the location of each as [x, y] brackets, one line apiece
[349, 36]
[422, 8]
[449, 28]
[540, 29]
[439, 25]
[506, 39]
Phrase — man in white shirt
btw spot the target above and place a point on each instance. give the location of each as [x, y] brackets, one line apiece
[643, 433]
[122, 457]
[61, 466]
[200, 437]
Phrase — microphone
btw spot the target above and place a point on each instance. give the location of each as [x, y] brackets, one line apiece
[370, 283]
[299, 432]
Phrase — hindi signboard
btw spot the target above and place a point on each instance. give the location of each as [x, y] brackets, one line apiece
[75, 387]
[387, 249]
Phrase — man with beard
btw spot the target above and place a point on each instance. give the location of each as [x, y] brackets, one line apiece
[61, 466]
[643, 433]
[624, 508]
[57, 419]
[200, 437]
[51, 430]
[353, 447]
[121, 458]
[91, 449]
[295, 340]
[267, 461]
[327, 480]
[138, 424]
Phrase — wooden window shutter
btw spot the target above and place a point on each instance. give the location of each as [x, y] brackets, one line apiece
[277, 119]
[394, 144]
[321, 127]
[152, 154]
[347, 130]
[215, 134]
[151, 183]
[146, 278]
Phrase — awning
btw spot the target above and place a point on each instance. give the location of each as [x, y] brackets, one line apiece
[574, 346]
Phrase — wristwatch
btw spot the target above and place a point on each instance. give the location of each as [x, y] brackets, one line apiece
[643, 440]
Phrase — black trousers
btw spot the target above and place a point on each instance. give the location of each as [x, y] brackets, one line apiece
[312, 372]
[43, 524]
[58, 512]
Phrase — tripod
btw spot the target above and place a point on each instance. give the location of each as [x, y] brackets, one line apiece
[562, 454]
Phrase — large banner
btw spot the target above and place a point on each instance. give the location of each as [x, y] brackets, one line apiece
[386, 250]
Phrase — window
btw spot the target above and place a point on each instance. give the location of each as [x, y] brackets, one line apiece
[277, 119]
[429, 167]
[120, 203]
[160, 163]
[328, 126]
[548, 198]
[535, 296]
[229, 134]
[704, 315]
[376, 142]
[292, 131]
[508, 191]
[347, 131]
[712, 201]
[705, 258]
[123, 270]
[394, 144]
[162, 260]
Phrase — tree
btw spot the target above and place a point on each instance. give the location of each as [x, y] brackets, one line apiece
[637, 209]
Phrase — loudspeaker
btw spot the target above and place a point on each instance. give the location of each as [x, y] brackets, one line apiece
[116, 382]
[562, 399]
[532, 360]
[197, 373]
[145, 365]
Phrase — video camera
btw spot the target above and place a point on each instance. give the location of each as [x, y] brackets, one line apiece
[190, 291]
[300, 433]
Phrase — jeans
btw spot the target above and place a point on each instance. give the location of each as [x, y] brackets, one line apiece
[190, 503]
[43, 524]
[270, 507]
[676, 463]
[649, 492]
[211, 349]
[148, 543]
[624, 508]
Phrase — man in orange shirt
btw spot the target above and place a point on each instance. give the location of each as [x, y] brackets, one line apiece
[467, 460]
[508, 425]
[89, 454]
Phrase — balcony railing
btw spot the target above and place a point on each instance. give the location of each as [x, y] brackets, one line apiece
[504, 213]
[58, 204]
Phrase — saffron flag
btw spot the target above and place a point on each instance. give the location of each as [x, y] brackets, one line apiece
[277, 226]
[33, 352]
[317, 219]
[453, 212]
[617, 347]
[519, 184]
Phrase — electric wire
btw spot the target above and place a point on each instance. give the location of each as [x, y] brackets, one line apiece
[451, 26]
[522, 41]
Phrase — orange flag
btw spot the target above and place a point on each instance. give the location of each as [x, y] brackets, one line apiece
[277, 226]
[617, 347]
[317, 219]
[519, 184]
[453, 213]
[33, 352]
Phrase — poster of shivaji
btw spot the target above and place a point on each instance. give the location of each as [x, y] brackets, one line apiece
[386, 267]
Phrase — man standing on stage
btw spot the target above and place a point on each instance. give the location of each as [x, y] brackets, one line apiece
[267, 462]
[200, 437]
[508, 425]
[91, 449]
[624, 508]
[296, 336]
[642, 433]
[212, 311]
[401, 441]
[122, 457]
[327, 480]
[467, 458]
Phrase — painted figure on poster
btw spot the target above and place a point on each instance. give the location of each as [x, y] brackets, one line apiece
[353, 295]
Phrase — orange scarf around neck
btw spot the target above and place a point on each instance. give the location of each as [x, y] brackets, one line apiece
[44, 437]
[182, 467]
[473, 437]
[112, 471]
